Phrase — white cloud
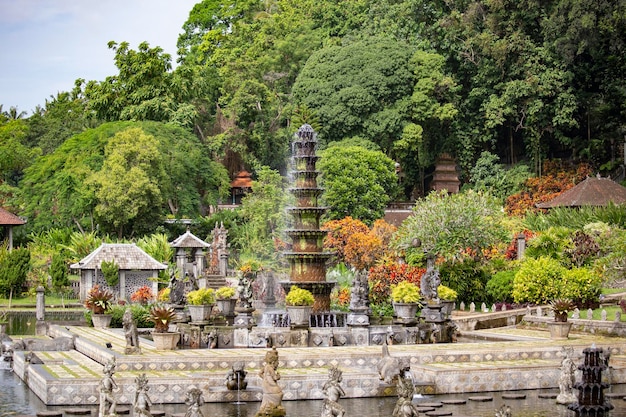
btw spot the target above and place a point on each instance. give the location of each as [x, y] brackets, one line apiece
[48, 44]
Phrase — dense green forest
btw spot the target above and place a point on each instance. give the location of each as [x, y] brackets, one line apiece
[510, 82]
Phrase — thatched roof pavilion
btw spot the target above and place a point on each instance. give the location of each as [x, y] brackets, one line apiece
[593, 191]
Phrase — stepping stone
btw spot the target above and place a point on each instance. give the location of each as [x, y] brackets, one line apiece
[49, 413]
[480, 398]
[549, 396]
[614, 395]
[433, 404]
[513, 396]
[454, 401]
[157, 413]
[439, 413]
[78, 411]
[122, 410]
[424, 409]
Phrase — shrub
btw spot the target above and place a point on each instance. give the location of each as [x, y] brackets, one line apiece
[553, 243]
[299, 297]
[448, 225]
[164, 295]
[581, 285]
[405, 292]
[224, 293]
[202, 296]
[446, 293]
[141, 314]
[500, 286]
[538, 280]
[467, 277]
[560, 307]
[111, 272]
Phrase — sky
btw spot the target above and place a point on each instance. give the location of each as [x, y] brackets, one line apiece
[48, 44]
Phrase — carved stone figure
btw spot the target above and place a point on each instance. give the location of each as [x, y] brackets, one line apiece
[194, 400]
[567, 379]
[359, 299]
[430, 281]
[245, 290]
[141, 403]
[388, 367]
[333, 391]
[271, 404]
[130, 332]
[108, 402]
[405, 390]
[177, 287]
[236, 378]
[504, 411]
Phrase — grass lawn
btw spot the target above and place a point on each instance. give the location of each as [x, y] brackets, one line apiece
[51, 300]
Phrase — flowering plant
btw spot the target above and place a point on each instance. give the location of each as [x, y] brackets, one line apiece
[142, 296]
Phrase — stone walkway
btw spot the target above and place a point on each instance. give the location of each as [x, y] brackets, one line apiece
[528, 359]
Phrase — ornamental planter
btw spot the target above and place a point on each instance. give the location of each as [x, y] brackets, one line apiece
[559, 329]
[406, 312]
[299, 316]
[101, 321]
[227, 306]
[165, 340]
[200, 314]
[448, 307]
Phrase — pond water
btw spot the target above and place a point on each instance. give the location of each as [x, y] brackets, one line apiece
[17, 399]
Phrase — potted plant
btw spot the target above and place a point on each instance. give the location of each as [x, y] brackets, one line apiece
[200, 303]
[406, 300]
[560, 327]
[162, 316]
[99, 301]
[225, 300]
[299, 304]
[447, 296]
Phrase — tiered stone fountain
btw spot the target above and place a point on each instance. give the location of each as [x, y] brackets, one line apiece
[591, 401]
[307, 259]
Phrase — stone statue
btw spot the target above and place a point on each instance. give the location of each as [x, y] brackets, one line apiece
[504, 411]
[130, 332]
[177, 287]
[359, 299]
[271, 404]
[108, 402]
[430, 281]
[388, 366]
[194, 400]
[333, 391]
[405, 390]
[236, 378]
[567, 379]
[245, 290]
[142, 403]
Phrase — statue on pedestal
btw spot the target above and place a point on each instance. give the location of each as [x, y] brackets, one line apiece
[567, 379]
[130, 332]
[194, 400]
[271, 404]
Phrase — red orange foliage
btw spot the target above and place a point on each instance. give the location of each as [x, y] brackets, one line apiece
[142, 296]
[511, 250]
[556, 179]
[356, 244]
[381, 277]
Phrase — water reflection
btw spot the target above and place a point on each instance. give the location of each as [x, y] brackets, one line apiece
[16, 398]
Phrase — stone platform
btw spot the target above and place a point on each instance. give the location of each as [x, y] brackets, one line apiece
[518, 359]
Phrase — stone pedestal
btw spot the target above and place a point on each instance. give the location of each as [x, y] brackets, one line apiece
[358, 319]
